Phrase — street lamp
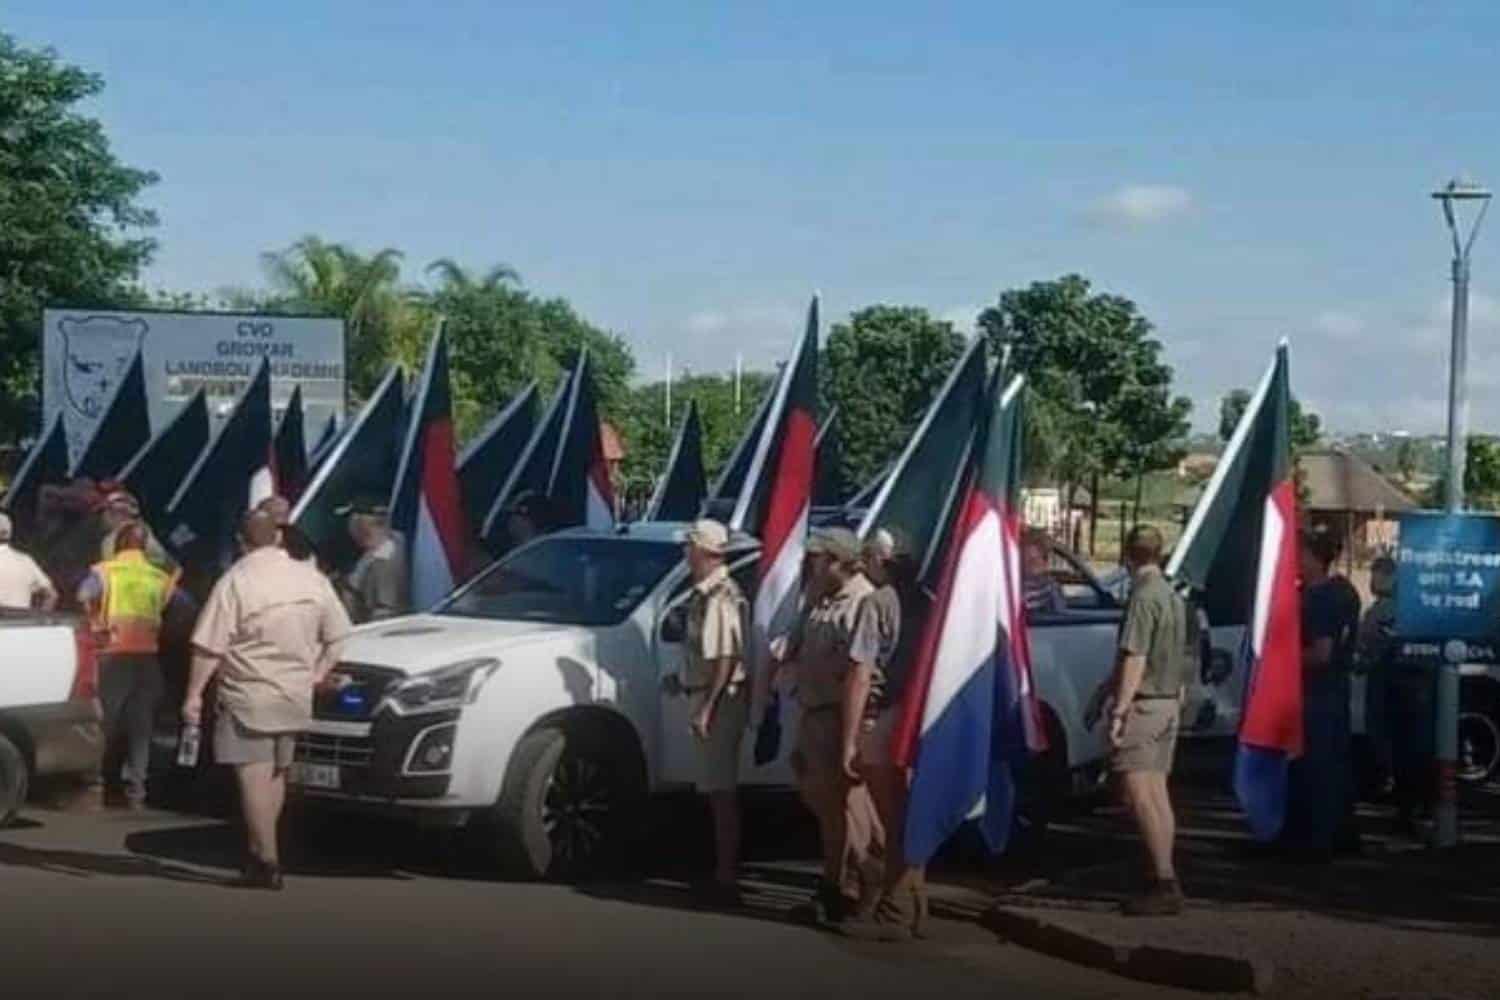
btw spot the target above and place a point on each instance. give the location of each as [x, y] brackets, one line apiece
[1453, 196]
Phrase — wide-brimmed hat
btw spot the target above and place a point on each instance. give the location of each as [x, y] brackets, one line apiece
[708, 535]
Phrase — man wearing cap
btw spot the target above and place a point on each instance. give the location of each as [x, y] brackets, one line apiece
[714, 678]
[296, 543]
[378, 586]
[832, 653]
[271, 630]
[22, 582]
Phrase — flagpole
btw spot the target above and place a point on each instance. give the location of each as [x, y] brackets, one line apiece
[1449, 690]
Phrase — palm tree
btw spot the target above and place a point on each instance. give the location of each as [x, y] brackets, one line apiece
[317, 276]
[454, 277]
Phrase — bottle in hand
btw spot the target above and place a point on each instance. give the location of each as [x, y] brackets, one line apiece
[187, 745]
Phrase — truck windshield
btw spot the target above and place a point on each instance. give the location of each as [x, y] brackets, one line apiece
[567, 581]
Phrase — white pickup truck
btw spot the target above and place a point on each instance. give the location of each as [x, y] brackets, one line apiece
[530, 703]
[48, 711]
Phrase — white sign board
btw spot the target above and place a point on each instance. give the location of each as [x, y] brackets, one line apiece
[86, 352]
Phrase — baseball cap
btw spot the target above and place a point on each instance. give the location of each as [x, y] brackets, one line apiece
[840, 543]
[708, 535]
[278, 507]
[362, 505]
[881, 544]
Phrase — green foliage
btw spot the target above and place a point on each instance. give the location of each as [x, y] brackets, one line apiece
[70, 223]
[324, 278]
[1100, 394]
[1481, 476]
[500, 337]
[882, 369]
[1307, 428]
[649, 439]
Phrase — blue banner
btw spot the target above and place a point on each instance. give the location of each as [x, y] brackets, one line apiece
[1448, 577]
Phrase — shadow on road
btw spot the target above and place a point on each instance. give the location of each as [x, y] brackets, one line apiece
[332, 848]
[86, 864]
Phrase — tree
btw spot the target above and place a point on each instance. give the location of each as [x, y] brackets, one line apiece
[883, 368]
[1101, 395]
[332, 279]
[1307, 428]
[500, 337]
[648, 438]
[71, 227]
[1481, 476]
[1406, 461]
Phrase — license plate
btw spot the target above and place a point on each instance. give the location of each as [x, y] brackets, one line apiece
[315, 775]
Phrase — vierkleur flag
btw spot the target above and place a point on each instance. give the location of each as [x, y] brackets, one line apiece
[232, 474]
[1240, 553]
[774, 504]
[45, 465]
[726, 488]
[289, 451]
[828, 487]
[427, 505]
[917, 493]
[327, 438]
[531, 473]
[361, 468]
[963, 726]
[680, 494]
[487, 460]
[122, 431]
[581, 489]
[154, 473]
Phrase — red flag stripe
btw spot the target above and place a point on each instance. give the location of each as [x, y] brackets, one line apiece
[791, 487]
[439, 487]
[1273, 707]
[914, 700]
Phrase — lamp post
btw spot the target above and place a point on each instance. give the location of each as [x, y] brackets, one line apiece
[1453, 195]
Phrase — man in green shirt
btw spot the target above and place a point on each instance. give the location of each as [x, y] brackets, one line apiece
[1145, 694]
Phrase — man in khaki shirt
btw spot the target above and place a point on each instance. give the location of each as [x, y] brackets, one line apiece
[378, 587]
[833, 653]
[713, 676]
[271, 630]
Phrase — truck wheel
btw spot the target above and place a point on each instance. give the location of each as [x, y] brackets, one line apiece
[567, 805]
[13, 781]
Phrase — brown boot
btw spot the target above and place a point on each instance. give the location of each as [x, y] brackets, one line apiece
[1163, 899]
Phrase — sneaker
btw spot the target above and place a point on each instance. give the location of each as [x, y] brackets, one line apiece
[1163, 899]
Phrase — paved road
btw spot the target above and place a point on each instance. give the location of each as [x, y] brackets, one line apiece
[118, 905]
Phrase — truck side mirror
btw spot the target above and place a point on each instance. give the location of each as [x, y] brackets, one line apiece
[674, 625]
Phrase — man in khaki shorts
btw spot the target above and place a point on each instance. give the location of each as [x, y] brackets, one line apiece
[271, 630]
[714, 678]
[833, 654]
[1146, 695]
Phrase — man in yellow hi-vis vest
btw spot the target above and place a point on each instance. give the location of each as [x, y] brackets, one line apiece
[127, 596]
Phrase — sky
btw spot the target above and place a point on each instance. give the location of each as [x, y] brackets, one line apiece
[689, 174]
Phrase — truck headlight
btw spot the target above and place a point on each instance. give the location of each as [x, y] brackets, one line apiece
[453, 686]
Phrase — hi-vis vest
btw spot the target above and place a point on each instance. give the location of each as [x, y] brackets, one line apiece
[135, 596]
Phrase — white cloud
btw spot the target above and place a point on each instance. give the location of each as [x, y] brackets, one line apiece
[1141, 205]
[1338, 324]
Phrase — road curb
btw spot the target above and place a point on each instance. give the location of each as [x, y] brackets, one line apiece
[1194, 970]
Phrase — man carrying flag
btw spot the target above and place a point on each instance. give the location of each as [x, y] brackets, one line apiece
[1145, 691]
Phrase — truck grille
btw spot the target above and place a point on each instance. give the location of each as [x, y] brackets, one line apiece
[338, 751]
[355, 693]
